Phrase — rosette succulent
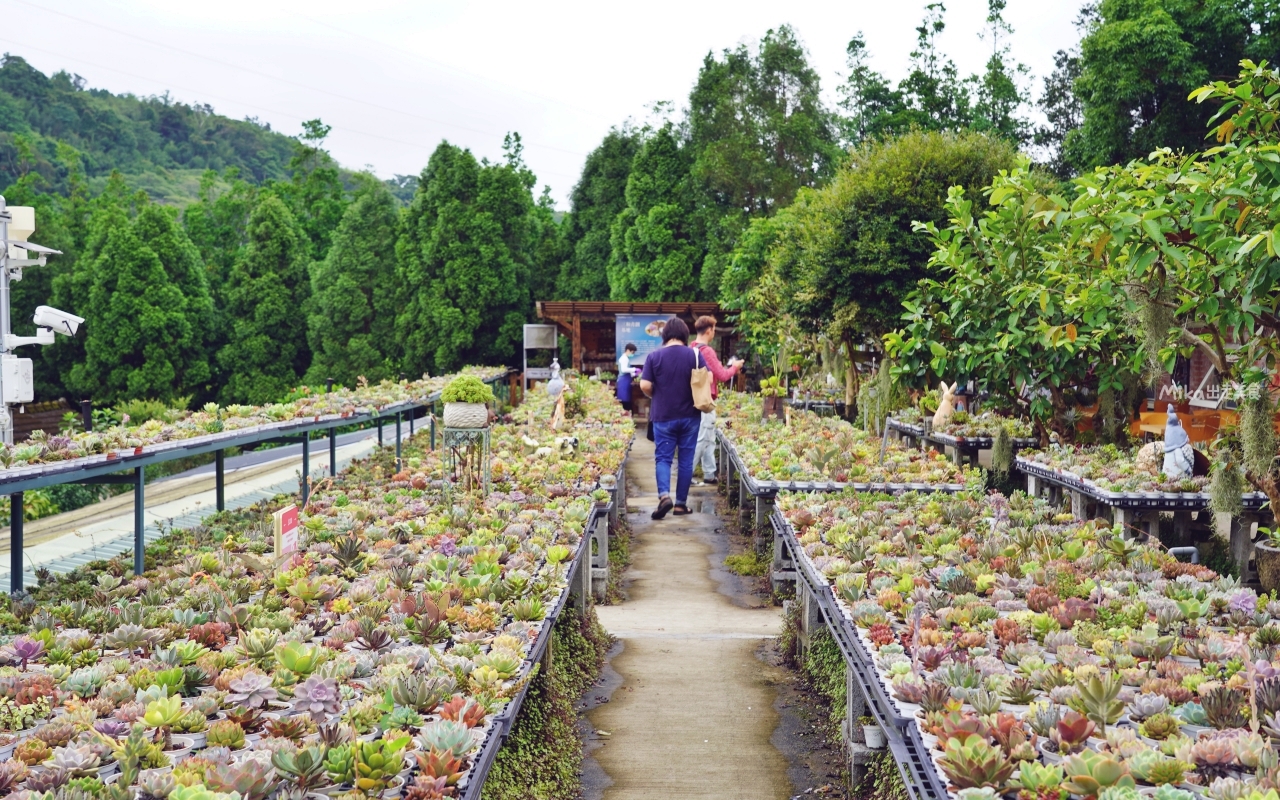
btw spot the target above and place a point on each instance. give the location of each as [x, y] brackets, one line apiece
[318, 697]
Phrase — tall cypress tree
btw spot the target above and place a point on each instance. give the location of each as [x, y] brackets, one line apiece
[157, 229]
[353, 292]
[656, 253]
[597, 199]
[266, 293]
[463, 261]
[140, 339]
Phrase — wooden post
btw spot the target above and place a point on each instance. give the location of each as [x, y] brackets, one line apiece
[577, 341]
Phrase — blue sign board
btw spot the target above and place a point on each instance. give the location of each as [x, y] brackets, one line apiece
[642, 330]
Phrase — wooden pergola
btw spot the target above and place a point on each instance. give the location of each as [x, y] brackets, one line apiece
[589, 325]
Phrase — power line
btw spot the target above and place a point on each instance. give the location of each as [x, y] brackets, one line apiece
[26, 46]
[288, 81]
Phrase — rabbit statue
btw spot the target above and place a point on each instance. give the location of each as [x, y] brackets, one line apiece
[946, 404]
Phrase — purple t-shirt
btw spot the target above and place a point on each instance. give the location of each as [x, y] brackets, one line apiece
[669, 370]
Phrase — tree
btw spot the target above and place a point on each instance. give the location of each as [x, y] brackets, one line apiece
[597, 199]
[462, 261]
[936, 98]
[1140, 58]
[157, 229]
[1001, 305]
[1063, 112]
[217, 224]
[351, 325]
[265, 296]
[872, 107]
[998, 97]
[656, 255]
[140, 343]
[315, 192]
[758, 132]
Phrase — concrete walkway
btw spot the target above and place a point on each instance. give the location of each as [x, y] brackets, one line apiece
[695, 713]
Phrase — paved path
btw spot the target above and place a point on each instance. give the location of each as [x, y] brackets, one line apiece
[66, 541]
[695, 713]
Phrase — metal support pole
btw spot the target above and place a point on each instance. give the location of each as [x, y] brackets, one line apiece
[333, 451]
[379, 431]
[139, 522]
[413, 412]
[397, 440]
[305, 491]
[220, 479]
[433, 430]
[86, 414]
[15, 543]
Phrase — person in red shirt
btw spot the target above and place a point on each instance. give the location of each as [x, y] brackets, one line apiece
[705, 452]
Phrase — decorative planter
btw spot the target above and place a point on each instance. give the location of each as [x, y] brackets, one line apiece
[1268, 559]
[466, 415]
[773, 408]
[873, 735]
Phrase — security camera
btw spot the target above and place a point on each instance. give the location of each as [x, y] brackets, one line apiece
[58, 321]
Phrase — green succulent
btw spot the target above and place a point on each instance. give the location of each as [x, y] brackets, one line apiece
[377, 762]
[301, 659]
[1036, 777]
[163, 713]
[1089, 772]
[340, 764]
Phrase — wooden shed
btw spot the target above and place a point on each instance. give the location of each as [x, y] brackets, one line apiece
[590, 326]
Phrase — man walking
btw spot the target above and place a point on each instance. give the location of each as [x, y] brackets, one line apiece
[705, 453]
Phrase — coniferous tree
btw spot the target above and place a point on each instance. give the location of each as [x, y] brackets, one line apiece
[353, 292]
[598, 197]
[158, 230]
[315, 193]
[141, 341]
[656, 255]
[266, 293]
[463, 262]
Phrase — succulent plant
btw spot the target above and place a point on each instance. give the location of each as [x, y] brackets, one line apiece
[299, 658]
[1159, 726]
[33, 751]
[440, 765]
[304, 768]
[251, 779]
[935, 697]
[1089, 772]
[1212, 757]
[79, 762]
[1099, 697]
[445, 735]
[464, 710]
[164, 712]
[156, 786]
[225, 733]
[984, 701]
[291, 728]
[1147, 705]
[377, 762]
[1169, 792]
[340, 764]
[12, 772]
[24, 650]
[251, 690]
[1224, 707]
[1071, 732]
[971, 761]
[47, 780]
[318, 697]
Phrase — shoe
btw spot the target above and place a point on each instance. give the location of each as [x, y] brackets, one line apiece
[696, 482]
[712, 481]
[664, 506]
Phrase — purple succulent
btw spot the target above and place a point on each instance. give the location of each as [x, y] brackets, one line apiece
[1244, 600]
[252, 690]
[1265, 669]
[316, 696]
[58, 443]
[25, 649]
[111, 727]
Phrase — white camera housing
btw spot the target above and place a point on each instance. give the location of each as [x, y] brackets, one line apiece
[58, 321]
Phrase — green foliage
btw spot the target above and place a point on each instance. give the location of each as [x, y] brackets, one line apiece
[996, 308]
[540, 759]
[657, 254]
[467, 389]
[265, 291]
[1138, 62]
[154, 140]
[748, 564]
[315, 194]
[462, 264]
[351, 324]
[598, 197]
[825, 667]
[147, 338]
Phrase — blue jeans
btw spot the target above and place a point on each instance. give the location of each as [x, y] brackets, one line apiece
[669, 438]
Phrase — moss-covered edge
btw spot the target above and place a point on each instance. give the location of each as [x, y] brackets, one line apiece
[542, 757]
[823, 668]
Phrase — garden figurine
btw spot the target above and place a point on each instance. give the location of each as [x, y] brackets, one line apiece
[1179, 455]
[946, 404]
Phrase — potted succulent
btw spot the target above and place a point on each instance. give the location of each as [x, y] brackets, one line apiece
[872, 733]
[466, 400]
[772, 390]
[1266, 551]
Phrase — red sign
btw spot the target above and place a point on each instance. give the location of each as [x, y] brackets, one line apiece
[286, 530]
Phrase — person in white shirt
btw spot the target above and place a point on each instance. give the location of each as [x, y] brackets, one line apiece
[625, 376]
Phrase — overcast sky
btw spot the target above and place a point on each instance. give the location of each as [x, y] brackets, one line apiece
[394, 77]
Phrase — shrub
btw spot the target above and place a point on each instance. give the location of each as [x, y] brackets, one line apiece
[467, 389]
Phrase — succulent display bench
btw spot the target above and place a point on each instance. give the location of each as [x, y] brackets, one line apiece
[1140, 512]
[129, 466]
[965, 449]
[909, 433]
[864, 695]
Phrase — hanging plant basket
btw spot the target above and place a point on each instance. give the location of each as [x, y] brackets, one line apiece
[466, 415]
